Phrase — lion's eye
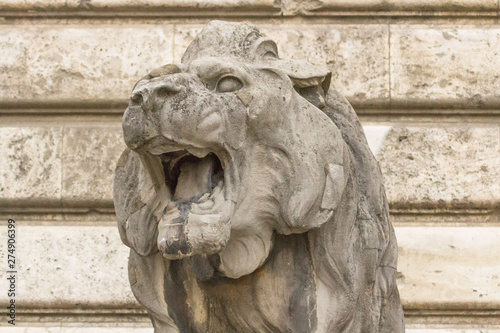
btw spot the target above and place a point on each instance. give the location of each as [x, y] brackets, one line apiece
[270, 55]
[229, 84]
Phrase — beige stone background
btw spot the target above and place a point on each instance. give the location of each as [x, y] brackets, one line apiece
[423, 75]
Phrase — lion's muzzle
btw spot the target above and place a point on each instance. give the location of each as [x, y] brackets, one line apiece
[168, 120]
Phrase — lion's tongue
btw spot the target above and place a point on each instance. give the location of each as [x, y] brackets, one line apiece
[194, 179]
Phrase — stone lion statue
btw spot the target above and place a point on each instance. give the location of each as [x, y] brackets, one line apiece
[249, 197]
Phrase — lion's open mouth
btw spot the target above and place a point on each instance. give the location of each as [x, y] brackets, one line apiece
[195, 221]
[190, 178]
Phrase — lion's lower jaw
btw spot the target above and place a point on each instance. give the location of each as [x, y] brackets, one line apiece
[196, 220]
[183, 232]
[245, 254]
[193, 227]
[239, 255]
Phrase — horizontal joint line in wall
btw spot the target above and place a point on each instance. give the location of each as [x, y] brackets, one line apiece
[107, 206]
[139, 311]
[64, 107]
[123, 317]
[238, 12]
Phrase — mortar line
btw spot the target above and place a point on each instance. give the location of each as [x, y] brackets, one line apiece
[423, 117]
[389, 59]
[63, 127]
[173, 41]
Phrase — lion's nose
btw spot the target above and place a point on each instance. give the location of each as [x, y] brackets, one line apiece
[153, 93]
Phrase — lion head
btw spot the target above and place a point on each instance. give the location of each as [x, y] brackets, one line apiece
[233, 147]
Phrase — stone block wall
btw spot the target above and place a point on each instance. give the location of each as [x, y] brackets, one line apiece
[423, 75]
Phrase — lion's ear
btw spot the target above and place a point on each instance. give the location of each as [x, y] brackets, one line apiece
[310, 81]
[302, 73]
[313, 94]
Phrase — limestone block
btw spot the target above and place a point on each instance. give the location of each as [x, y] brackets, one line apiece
[46, 164]
[452, 330]
[422, 166]
[92, 329]
[89, 160]
[62, 266]
[449, 268]
[288, 6]
[441, 167]
[445, 66]
[183, 36]
[375, 135]
[176, 4]
[31, 5]
[409, 5]
[357, 56]
[428, 66]
[69, 266]
[31, 164]
[87, 329]
[53, 64]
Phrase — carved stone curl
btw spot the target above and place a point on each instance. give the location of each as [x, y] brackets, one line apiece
[249, 197]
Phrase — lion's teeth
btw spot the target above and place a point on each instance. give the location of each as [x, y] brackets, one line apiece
[208, 204]
[217, 190]
[204, 198]
[200, 153]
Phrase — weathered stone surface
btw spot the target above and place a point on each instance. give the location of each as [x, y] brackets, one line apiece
[78, 64]
[183, 36]
[433, 167]
[30, 171]
[449, 268]
[69, 266]
[438, 67]
[177, 4]
[361, 75]
[289, 7]
[135, 5]
[32, 5]
[375, 135]
[244, 169]
[404, 5]
[89, 158]
[440, 267]
[98, 329]
[89, 329]
[361, 11]
[421, 165]
[453, 330]
[70, 166]
[445, 66]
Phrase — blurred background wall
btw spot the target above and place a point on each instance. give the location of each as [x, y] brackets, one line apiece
[423, 76]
